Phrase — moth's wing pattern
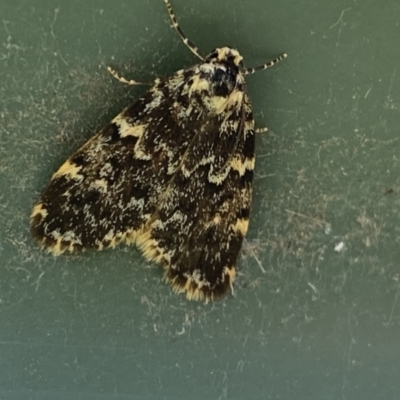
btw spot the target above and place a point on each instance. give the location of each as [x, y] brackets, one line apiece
[198, 229]
[110, 187]
[173, 173]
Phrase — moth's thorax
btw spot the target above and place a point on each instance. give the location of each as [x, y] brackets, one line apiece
[218, 83]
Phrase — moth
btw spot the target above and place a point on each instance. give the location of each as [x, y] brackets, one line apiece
[172, 173]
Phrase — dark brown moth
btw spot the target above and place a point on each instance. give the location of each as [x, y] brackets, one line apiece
[172, 173]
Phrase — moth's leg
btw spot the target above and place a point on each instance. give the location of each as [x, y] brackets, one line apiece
[124, 80]
[249, 71]
[191, 46]
[261, 130]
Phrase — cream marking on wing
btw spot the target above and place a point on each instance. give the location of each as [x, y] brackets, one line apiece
[127, 129]
[70, 169]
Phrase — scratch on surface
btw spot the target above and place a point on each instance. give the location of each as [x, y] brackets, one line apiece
[340, 19]
[387, 323]
[352, 341]
[37, 282]
[56, 11]
[315, 291]
[371, 228]
[251, 250]
[389, 104]
[320, 222]
[224, 394]
[367, 92]
[186, 324]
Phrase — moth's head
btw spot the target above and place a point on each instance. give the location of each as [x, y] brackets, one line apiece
[225, 55]
[224, 73]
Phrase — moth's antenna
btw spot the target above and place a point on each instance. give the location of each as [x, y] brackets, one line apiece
[248, 71]
[185, 40]
[124, 80]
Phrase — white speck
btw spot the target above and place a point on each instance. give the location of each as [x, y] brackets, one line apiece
[339, 247]
[328, 228]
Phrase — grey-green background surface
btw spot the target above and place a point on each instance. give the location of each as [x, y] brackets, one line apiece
[318, 323]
